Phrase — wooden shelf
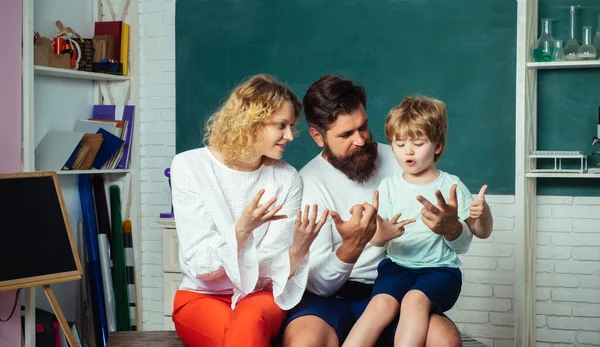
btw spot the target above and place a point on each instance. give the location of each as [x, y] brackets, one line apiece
[92, 172]
[75, 74]
[562, 175]
[582, 64]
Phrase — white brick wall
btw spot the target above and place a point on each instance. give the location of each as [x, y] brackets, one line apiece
[157, 128]
[568, 266]
[568, 271]
[485, 309]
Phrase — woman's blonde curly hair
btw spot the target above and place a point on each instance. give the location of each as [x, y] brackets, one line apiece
[235, 129]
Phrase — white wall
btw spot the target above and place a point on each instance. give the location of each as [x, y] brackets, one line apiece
[568, 238]
[157, 144]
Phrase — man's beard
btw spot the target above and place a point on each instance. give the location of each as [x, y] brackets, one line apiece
[359, 165]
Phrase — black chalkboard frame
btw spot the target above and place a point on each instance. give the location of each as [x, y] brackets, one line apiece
[46, 279]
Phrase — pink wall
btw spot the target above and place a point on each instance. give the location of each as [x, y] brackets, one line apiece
[10, 135]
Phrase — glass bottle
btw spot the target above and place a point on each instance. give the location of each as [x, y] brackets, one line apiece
[572, 45]
[545, 44]
[597, 39]
[558, 54]
[587, 51]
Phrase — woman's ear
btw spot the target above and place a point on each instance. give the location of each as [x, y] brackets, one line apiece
[316, 135]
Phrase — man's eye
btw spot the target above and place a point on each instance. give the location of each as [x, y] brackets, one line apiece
[281, 125]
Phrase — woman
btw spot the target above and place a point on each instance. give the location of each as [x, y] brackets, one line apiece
[243, 258]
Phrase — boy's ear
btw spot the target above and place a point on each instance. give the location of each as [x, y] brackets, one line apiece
[438, 148]
[316, 135]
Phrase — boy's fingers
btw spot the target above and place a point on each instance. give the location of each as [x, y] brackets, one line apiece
[481, 195]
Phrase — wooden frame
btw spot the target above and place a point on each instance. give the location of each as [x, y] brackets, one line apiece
[46, 280]
[51, 278]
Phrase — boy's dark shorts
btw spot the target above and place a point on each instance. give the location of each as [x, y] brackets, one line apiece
[440, 284]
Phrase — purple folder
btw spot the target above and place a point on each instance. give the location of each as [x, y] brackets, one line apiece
[126, 113]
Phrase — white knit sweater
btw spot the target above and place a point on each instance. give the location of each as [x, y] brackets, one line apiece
[208, 198]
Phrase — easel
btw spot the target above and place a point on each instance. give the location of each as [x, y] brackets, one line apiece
[28, 283]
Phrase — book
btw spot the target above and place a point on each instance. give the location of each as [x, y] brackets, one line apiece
[119, 113]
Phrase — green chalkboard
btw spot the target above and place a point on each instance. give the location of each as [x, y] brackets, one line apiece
[460, 51]
[568, 100]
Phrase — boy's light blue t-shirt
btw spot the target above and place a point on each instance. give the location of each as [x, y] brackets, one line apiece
[419, 247]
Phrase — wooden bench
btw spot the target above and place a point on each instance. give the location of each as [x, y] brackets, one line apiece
[170, 339]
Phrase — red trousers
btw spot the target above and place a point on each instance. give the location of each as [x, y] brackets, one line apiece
[204, 320]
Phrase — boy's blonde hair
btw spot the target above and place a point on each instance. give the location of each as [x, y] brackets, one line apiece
[235, 129]
[418, 116]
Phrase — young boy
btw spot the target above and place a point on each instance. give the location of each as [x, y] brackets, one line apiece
[420, 274]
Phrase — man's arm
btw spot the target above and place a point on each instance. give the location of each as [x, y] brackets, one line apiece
[331, 268]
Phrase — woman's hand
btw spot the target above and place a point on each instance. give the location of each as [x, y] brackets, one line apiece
[306, 230]
[253, 216]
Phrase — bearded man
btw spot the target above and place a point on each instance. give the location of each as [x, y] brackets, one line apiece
[343, 264]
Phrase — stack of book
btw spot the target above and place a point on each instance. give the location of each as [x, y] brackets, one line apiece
[102, 142]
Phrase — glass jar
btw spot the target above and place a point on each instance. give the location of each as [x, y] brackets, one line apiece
[545, 44]
[587, 51]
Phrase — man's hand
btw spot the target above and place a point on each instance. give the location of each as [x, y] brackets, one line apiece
[389, 229]
[443, 218]
[358, 231]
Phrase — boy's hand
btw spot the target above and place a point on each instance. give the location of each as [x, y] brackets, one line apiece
[443, 218]
[389, 229]
[480, 205]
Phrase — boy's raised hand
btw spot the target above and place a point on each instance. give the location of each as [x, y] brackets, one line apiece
[443, 218]
[480, 205]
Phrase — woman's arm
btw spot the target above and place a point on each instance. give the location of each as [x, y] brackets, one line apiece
[209, 249]
[275, 253]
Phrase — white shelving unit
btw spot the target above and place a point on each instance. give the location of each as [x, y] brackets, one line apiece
[54, 99]
[526, 180]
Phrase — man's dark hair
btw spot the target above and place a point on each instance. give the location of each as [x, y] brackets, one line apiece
[330, 97]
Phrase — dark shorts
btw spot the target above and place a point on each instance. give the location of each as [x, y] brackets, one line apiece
[440, 284]
[341, 310]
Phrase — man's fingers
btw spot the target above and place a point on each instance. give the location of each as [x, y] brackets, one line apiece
[336, 217]
[376, 199]
[395, 218]
[369, 212]
[441, 202]
[481, 195]
[453, 200]
[357, 213]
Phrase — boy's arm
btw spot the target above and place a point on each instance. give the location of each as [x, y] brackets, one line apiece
[480, 219]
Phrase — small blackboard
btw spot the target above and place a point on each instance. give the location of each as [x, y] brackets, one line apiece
[36, 241]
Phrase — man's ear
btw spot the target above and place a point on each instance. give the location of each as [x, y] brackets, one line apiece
[316, 135]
